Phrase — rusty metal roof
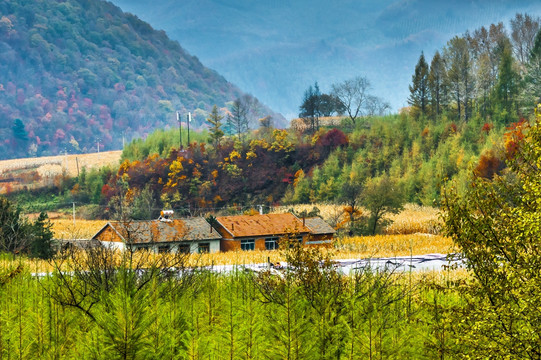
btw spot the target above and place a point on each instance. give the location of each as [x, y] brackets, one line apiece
[262, 225]
[318, 226]
[157, 231]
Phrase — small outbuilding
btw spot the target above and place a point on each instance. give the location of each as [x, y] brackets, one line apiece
[163, 235]
[321, 233]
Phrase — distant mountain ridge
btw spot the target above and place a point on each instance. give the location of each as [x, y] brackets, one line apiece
[78, 73]
[276, 49]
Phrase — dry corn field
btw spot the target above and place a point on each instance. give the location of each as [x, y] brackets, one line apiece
[415, 219]
[412, 219]
[33, 173]
[392, 245]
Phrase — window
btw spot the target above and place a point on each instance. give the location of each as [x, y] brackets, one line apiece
[163, 249]
[184, 248]
[271, 243]
[248, 244]
[204, 248]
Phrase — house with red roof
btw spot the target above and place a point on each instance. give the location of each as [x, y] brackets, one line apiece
[265, 231]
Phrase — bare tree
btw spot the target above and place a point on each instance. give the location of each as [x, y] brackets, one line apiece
[376, 106]
[354, 96]
[524, 28]
[244, 112]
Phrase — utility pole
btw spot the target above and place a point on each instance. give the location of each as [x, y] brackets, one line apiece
[179, 131]
[189, 121]
[74, 216]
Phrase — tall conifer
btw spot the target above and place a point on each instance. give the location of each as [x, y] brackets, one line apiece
[419, 88]
[215, 133]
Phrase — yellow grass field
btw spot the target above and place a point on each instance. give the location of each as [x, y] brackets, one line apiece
[411, 220]
[32, 173]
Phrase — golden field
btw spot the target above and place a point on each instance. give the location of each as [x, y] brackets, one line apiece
[33, 173]
[412, 219]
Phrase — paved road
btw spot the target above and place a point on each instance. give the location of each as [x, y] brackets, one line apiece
[426, 262]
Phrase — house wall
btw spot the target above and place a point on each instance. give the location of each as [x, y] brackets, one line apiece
[230, 245]
[109, 235]
[260, 244]
[114, 245]
[320, 240]
[234, 244]
[214, 246]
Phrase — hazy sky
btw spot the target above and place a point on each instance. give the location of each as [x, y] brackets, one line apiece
[276, 49]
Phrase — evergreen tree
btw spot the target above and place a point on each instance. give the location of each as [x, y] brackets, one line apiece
[14, 229]
[20, 136]
[237, 120]
[42, 238]
[215, 133]
[459, 71]
[419, 91]
[437, 82]
[310, 108]
[506, 89]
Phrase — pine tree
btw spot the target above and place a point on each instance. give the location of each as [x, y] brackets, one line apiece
[20, 136]
[506, 89]
[461, 81]
[215, 133]
[419, 88]
[42, 238]
[310, 108]
[437, 82]
[237, 120]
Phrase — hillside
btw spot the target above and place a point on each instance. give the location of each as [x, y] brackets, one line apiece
[79, 72]
[36, 173]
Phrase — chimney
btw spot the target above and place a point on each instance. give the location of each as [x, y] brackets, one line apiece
[303, 221]
[166, 216]
[232, 226]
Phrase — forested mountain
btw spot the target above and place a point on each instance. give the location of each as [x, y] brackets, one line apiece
[77, 72]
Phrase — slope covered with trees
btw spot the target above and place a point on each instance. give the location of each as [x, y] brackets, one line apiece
[490, 73]
[77, 72]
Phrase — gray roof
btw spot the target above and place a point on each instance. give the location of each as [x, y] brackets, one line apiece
[188, 229]
[318, 226]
